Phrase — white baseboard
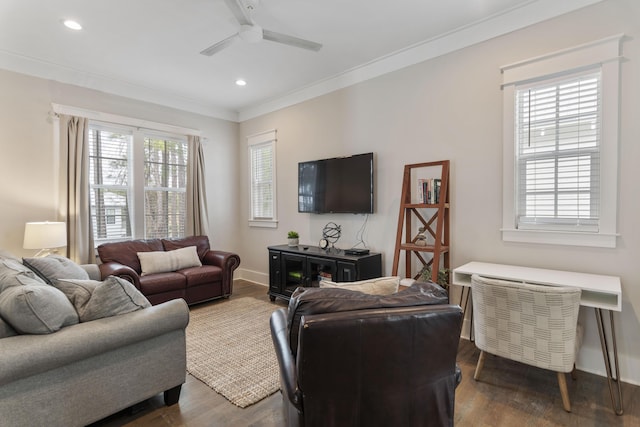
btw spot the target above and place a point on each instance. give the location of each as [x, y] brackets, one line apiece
[252, 276]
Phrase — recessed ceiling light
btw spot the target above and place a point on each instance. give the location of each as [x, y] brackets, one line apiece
[69, 23]
[241, 82]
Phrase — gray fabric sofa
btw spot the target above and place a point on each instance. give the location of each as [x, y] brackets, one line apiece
[87, 371]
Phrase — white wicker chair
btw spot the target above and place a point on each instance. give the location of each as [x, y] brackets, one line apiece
[532, 324]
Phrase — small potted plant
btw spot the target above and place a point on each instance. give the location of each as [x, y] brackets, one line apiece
[293, 238]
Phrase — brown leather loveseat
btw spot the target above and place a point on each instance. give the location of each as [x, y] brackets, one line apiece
[214, 279]
[351, 359]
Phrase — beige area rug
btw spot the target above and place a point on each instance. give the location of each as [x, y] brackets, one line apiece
[229, 349]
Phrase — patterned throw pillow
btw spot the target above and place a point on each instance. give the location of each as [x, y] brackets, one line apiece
[162, 262]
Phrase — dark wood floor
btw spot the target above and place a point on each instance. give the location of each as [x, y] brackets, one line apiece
[508, 394]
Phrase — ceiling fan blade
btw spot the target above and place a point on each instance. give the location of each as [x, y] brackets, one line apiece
[290, 40]
[219, 46]
[238, 10]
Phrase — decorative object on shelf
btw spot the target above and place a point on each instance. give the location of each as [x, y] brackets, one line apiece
[324, 243]
[421, 238]
[46, 236]
[293, 238]
[443, 276]
[331, 233]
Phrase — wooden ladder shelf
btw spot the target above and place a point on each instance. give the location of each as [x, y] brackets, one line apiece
[432, 216]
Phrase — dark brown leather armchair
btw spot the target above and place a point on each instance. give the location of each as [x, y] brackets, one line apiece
[350, 359]
[214, 279]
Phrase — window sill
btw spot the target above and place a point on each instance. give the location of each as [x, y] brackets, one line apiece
[601, 240]
[263, 223]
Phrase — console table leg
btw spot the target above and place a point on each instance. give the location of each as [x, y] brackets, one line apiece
[607, 360]
[464, 309]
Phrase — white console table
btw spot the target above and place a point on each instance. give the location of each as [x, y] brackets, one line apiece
[599, 292]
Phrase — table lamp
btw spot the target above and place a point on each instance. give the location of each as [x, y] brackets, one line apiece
[46, 236]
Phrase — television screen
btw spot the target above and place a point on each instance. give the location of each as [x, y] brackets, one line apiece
[337, 185]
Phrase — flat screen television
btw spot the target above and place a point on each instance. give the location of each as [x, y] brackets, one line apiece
[337, 185]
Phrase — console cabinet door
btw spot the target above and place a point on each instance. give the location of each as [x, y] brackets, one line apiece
[294, 270]
[347, 272]
[319, 269]
[275, 273]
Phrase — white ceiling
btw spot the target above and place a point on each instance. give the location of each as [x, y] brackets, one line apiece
[149, 49]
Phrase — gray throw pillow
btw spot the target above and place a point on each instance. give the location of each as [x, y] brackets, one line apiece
[13, 273]
[36, 309]
[54, 267]
[79, 292]
[112, 297]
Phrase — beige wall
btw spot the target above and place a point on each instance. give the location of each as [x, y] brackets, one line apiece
[29, 166]
[451, 108]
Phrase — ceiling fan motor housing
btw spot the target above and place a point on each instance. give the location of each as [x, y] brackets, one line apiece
[250, 33]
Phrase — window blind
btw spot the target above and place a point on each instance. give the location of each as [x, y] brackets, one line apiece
[165, 187]
[109, 152]
[558, 153]
[262, 176]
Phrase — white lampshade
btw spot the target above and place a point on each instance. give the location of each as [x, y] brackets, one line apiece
[45, 235]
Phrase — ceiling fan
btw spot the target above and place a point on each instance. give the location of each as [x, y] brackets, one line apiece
[253, 33]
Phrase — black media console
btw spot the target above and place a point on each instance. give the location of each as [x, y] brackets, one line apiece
[294, 266]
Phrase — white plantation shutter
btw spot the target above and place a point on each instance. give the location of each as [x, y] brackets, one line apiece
[262, 165]
[558, 153]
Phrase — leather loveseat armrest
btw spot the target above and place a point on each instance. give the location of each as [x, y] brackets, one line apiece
[279, 336]
[228, 262]
[120, 270]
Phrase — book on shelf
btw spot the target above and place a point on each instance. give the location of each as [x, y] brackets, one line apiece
[324, 275]
[437, 182]
[429, 190]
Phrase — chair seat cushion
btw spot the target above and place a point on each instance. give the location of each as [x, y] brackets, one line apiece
[305, 301]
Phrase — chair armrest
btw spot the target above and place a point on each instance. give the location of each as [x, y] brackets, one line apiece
[228, 262]
[120, 270]
[278, 325]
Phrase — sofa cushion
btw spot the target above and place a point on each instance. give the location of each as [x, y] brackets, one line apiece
[305, 301]
[36, 309]
[378, 286]
[165, 261]
[162, 282]
[196, 276]
[200, 242]
[95, 300]
[6, 330]
[54, 267]
[13, 273]
[126, 252]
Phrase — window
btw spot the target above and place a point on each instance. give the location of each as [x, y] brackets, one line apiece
[165, 184]
[109, 178]
[262, 165]
[558, 154]
[560, 146]
[138, 182]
